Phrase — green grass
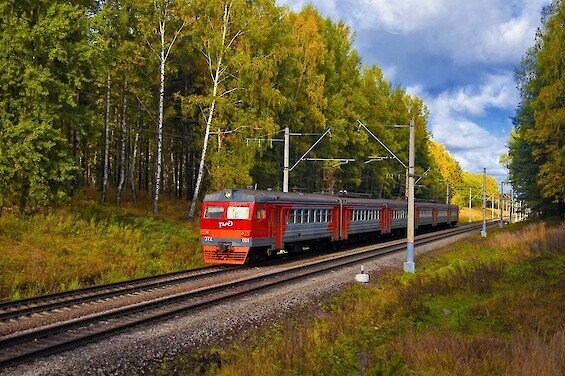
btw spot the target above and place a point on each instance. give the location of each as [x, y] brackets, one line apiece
[86, 243]
[477, 307]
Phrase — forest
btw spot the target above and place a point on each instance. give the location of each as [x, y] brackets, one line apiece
[536, 158]
[171, 99]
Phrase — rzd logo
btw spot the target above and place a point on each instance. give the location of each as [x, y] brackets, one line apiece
[225, 224]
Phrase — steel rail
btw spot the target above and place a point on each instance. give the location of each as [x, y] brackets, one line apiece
[62, 336]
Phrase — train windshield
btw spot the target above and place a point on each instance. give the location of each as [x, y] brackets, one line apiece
[238, 212]
[214, 212]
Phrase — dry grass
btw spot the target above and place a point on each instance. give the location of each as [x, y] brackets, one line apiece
[449, 353]
[85, 243]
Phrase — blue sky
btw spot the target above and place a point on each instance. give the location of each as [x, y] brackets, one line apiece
[459, 56]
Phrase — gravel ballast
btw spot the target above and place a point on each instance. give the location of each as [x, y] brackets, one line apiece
[140, 350]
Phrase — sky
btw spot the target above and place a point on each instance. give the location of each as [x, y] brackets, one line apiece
[458, 56]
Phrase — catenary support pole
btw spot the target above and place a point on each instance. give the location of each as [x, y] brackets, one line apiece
[484, 231]
[409, 264]
[501, 205]
[447, 194]
[511, 205]
[470, 199]
[286, 158]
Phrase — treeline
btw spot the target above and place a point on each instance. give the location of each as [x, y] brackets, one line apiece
[459, 184]
[537, 151]
[165, 97]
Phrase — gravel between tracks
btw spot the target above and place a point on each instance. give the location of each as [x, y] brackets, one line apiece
[140, 350]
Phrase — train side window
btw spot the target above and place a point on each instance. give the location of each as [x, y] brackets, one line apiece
[292, 218]
[326, 215]
[260, 214]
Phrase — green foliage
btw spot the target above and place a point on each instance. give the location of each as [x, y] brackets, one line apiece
[537, 150]
[279, 68]
[47, 59]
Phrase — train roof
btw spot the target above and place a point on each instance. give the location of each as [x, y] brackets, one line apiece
[250, 195]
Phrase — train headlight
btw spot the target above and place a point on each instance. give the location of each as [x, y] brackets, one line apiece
[227, 193]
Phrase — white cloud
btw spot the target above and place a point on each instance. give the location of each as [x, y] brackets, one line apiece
[389, 73]
[488, 31]
[499, 91]
[473, 146]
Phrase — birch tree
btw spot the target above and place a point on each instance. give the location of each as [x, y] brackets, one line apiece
[161, 26]
[106, 160]
[216, 47]
[123, 133]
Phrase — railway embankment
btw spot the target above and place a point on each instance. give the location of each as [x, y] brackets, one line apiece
[84, 244]
[478, 306]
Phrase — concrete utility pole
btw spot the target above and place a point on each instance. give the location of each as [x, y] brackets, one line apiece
[409, 264]
[511, 206]
[484, 231]
[447, 194]
[286, 158]
[470, 199]
[501, 205]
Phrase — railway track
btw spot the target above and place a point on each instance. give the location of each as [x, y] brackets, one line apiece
[29, 344]
[45, 303]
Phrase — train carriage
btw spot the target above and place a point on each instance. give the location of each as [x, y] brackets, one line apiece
[237, 225]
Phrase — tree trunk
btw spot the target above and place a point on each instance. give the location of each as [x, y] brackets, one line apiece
[159, 139]
[132, 168]
[215, 81]
[123, 145]
[106, 142]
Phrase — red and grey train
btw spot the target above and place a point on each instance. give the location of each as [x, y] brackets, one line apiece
[239, 224]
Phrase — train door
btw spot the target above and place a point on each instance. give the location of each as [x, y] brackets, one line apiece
[386, 220]
[346, 214]
[434, 217]
[416, 218]
[335, 223]
[277, 224]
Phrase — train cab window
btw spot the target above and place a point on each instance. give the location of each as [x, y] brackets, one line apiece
[326, 215]
[214, 212]
[238, 212]
[260, 214]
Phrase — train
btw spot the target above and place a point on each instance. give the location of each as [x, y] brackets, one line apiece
[239, 226]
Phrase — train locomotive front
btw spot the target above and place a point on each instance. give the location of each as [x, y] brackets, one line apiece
[226, 227]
